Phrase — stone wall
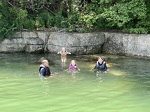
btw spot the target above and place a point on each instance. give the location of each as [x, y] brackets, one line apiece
[78, 43]
[127, 44]
[22, 41]
[40, 41]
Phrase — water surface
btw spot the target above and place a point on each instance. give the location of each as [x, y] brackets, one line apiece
[125, 88]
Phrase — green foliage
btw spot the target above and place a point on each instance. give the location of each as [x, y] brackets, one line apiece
[88, 19]
[44, 20]
[58, 20]
[122, 14]
[29, 24]
[138, 30]
[6, 23]
[20, 17]
[131, 16]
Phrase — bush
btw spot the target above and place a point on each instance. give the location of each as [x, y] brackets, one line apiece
[138, 30]
[132, 16]
[44, 20]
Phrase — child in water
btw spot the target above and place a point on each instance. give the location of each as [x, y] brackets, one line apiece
[44, 69]
[73, 66]
[100, 65]
[63, 53]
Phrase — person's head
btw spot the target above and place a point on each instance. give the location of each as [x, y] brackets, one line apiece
[63, 49]
[45, 63]
[100, 60]
[73, 62]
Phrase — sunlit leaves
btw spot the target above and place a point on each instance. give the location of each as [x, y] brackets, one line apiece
[89, 19]
[21, 13]
[127, 15]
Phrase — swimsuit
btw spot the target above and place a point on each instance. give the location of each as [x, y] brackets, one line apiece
[71, 67]
[64, 54]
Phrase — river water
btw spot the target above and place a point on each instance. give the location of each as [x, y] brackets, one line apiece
[125, 88]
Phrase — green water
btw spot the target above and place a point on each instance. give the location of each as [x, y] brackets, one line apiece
[125, 88]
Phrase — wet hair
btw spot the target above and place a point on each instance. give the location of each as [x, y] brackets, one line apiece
[101, 58]
[63, 48]
[44, 61]
[72, 60]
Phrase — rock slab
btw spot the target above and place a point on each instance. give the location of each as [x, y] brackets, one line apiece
[78, 43]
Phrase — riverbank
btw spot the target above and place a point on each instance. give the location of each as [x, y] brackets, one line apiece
[79, 43]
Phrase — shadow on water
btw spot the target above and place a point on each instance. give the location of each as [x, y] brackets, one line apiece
[132, 70]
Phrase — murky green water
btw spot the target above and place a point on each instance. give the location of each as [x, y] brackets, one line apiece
[125, 88]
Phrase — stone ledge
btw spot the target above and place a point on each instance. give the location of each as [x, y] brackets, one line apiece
[79, 43]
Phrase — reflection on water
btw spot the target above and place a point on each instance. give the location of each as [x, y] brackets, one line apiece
[63, 66]
[117, 73]
[125, 88]
[99, 76]
[45, 86]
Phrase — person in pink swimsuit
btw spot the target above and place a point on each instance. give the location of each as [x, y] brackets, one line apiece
[73, 66]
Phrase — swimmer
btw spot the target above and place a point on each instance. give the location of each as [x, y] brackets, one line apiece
[73, 66]
[63, 53]
[44, 69]
[100, 65]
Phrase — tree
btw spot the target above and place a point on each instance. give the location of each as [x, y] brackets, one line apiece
[131, 16]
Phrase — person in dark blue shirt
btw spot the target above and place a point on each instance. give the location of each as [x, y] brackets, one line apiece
[44, 69]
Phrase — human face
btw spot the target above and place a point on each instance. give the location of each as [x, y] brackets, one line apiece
[73, 62]
[100, 60]
[46, 63]
[63, 49]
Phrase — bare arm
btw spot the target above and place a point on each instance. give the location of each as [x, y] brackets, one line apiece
[68, 52]
[78, 68]
[59, 52]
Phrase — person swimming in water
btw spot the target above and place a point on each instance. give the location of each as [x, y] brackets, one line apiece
[101, 65]
[63, 53]
[73, 66]
[44, 69]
